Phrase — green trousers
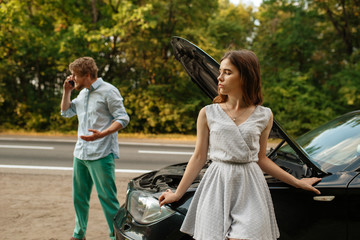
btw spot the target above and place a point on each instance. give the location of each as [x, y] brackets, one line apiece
[100, 173]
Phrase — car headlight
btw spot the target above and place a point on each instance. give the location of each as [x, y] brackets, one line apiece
[145, 209]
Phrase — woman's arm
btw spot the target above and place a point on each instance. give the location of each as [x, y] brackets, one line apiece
[274, 170]
[196, 162]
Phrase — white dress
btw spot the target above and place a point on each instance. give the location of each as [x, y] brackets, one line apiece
[233, 199]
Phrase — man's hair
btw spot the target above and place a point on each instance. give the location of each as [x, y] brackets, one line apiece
[248, 66]
[84, 66]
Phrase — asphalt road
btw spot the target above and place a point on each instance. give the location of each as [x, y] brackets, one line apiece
[57, 152]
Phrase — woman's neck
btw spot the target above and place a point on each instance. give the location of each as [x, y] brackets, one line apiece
[236, 102]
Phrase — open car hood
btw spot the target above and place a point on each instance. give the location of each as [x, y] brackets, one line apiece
[204, 71]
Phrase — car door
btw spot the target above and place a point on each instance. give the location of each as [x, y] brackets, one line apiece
[304, 215]
[354, 209]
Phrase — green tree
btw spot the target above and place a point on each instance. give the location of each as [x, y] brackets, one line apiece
[27, 64]
[341, 38]
[309, 54]
[290, 45]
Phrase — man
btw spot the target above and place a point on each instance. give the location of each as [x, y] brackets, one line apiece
[101, 114]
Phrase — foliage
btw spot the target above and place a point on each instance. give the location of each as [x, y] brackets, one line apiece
[307, 78]
[309, 54]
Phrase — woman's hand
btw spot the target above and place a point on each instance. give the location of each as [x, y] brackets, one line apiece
[168, 197]
[306, 184]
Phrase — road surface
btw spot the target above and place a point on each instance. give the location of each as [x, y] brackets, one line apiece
[58, 152]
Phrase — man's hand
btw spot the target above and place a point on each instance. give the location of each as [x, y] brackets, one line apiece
[67, 86]
[66, 101]
[114, 127]
[96, 135]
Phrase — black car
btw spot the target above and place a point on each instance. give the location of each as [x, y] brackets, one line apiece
[331, 152]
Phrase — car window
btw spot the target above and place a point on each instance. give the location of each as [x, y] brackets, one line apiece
[334, 145]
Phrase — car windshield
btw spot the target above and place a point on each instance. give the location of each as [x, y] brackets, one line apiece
[332, 146]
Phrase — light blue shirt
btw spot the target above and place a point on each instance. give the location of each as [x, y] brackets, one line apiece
[97, 109]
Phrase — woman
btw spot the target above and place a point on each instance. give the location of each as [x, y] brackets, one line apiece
[233, 200]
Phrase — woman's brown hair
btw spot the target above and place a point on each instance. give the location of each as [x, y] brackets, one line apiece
[248, 66]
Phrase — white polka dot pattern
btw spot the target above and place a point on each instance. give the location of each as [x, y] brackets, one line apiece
[233, 199]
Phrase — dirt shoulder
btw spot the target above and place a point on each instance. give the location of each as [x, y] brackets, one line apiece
[37, 204]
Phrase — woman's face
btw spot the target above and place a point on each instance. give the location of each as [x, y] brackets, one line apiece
[229, 78]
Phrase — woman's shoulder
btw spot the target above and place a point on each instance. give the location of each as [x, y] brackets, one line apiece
[211, 110]
[264, 109]
[211, 107]
[264, 112]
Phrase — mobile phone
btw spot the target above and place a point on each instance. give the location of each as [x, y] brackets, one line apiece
[72, 83]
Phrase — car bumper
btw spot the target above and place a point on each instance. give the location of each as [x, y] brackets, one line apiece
[126, 228]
